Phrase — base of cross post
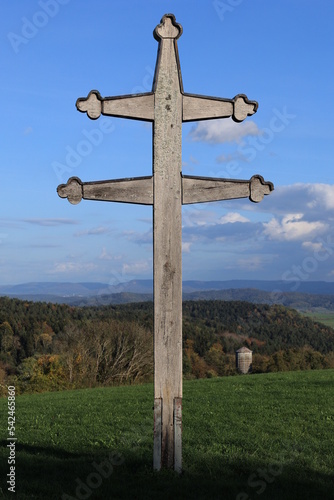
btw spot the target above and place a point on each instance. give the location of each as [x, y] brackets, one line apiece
[157, 433]
[178, 435]
[159, 447]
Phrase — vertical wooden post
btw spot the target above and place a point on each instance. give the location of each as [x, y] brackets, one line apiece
[167, 231]
[178, 434]
[167, 106]
[157, 433]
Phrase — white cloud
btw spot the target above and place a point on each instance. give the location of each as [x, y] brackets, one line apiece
[197, 217]
[323, 195]
[313, 247]
[221, 131]
[104, 255]
[93, 231]
[186, 246]
[72, 267]
[312, 200]
[293, 227]
[232, 217]
[50, 222]
[139, 267]
[279, 237]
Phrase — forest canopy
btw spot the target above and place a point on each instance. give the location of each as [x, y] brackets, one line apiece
[46, 346]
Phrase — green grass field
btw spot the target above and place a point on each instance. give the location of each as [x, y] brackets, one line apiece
[326, 317]
[267, 436]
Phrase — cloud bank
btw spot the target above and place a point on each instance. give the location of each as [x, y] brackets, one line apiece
[221, 131]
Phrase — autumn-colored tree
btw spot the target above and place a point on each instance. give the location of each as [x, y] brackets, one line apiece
[277, 363]
[43, 337]
[107, 352]
[215, 358]
[199, 368]
[41, 373]
[329, 360]
[259, 363]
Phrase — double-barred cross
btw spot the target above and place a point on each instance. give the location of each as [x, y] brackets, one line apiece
[167, 107]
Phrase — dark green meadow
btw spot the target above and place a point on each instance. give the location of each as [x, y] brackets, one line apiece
[266, 436]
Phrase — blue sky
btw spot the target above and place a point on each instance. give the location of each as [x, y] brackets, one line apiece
[278, 53]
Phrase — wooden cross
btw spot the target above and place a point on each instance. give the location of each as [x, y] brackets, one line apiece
[167, 107]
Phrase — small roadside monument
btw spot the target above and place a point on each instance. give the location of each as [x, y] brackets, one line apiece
[167, 189]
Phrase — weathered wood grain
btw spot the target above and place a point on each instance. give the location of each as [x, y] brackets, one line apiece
[138, 107]
[201, 189]
[205, 189]
[200, 107]
[167, 231]
[167, 106]
[178, 434]
[139, 190]
[157, 433]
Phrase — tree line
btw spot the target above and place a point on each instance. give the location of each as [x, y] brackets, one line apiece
[46, 346]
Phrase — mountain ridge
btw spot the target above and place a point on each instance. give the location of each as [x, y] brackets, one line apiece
[97, 294]
[86, 289]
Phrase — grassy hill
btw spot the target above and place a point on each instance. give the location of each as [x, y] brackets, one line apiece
[268, 436]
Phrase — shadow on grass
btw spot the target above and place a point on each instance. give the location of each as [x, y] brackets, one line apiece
[57, 474]
[40, 451]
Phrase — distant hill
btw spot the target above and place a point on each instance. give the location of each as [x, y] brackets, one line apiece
[299, 301]
[309, 294]
[275, 287]
[294, 300]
